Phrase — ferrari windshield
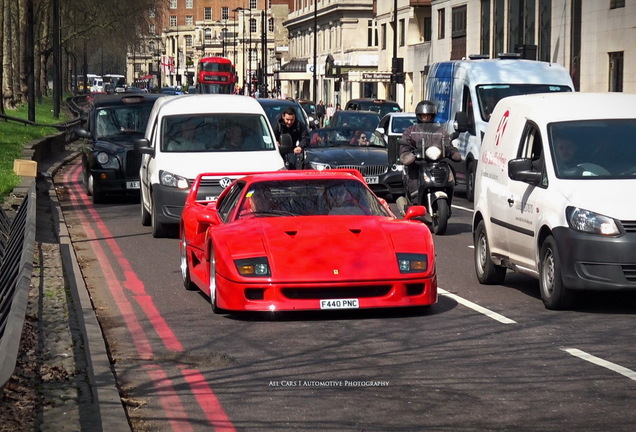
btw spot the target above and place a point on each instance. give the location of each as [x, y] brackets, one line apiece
[311, 197]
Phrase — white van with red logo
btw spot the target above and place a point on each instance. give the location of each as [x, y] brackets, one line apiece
[552, 194]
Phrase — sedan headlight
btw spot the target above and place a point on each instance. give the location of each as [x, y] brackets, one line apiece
[319, 166]
[253, 267]
[590, 222]
[412, 262]
[172, 180]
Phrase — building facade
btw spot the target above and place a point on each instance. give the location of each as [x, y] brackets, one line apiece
[336, 50]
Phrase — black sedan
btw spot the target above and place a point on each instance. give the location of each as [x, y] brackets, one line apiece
[332, 148]
[109, 163]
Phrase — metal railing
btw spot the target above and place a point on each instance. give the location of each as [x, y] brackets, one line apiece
[17, 240]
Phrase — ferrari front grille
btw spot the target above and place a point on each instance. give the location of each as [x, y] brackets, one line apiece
[337, 292]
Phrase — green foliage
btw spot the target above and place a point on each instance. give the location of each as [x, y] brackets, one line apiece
[14, 137]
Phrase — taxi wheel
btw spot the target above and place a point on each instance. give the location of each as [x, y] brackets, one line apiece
[554, 294]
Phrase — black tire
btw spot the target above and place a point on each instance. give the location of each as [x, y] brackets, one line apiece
[183, 264]
[145, 214]
[554, 293]
[470, 181]
[440, 217]
[96, 195]
[212, 272]
[159, 230]
[87, 185]
[487, 272]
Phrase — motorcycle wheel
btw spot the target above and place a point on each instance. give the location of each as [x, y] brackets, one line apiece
[440, 217]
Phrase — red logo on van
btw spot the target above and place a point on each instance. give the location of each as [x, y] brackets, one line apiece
[501, 128]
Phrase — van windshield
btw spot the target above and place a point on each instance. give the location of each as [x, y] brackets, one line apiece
[593, 149]
[221, 132]
[489, 95]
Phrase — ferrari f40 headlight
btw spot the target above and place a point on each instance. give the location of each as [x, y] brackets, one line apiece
[253, 267]
[590, 222]
[412, 262]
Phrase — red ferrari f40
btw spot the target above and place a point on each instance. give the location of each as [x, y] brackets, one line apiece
[304, 240]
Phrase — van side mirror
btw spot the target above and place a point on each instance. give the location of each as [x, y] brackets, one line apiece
[522, 170]
[142, 145]
[461, 123]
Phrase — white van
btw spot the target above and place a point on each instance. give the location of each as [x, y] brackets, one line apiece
[473, 87]
[191, 134]
[554, 194]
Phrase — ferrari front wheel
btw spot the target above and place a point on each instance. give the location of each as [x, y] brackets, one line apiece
[212, 272]
[185, 270]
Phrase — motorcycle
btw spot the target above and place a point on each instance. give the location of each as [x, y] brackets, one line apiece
[435, 186]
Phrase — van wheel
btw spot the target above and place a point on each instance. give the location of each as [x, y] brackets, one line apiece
[554, 294]
[470, 181]
[487, 272]
[159, 230]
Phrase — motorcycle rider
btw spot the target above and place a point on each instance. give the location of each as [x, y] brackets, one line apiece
[416, 138]
[287, 123]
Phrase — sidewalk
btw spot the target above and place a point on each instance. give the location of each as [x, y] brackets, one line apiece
[63, 380]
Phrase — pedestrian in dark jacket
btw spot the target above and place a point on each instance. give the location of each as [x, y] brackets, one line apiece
[287, 123]
[321, 110]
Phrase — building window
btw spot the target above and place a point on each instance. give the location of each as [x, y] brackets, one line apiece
[372, 33]
[427, 31]
[401, 32]
[173, 4]
[189, 4]
[225, 13]
[458, 21]
[616, 71]
[498, 19]
[485, 27]
[614, 4]
[208, 36]
[441, 24]
[152, 29]
[252, 25]
[253, 4]
[189, 20]
[207, 13]
[383, 36]
[173, 20]
[188, 40]
[545, 29]
[270, 25]
[152, 12]
[137, 67]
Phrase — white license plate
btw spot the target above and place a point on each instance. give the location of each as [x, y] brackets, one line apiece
[132, 185]
[339, 304]
[211, 198]
[372, 180]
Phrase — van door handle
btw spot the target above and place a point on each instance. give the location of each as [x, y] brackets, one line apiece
[510, 202]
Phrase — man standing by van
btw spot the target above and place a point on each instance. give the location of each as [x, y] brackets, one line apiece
[417, 137]
[287, 123]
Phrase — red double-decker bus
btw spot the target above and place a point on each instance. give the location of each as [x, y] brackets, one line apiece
[216, 75]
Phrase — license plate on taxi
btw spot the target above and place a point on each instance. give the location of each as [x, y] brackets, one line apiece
[132, 185]
[372, 180]
[339, 304]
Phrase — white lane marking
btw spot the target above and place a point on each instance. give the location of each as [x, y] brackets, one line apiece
[462, 208]
[600, 362]
[490, 314]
